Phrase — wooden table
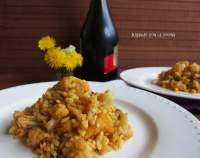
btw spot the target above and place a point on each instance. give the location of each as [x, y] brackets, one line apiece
[185, 103]
[198, 116]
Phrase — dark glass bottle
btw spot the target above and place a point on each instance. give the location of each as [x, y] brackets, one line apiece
[99, 41]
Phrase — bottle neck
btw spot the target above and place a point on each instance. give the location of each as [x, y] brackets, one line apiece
[100, 5]
[100, 2]
[99, 20]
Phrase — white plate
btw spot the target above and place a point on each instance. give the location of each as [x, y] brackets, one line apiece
[161, 128]
[143, 78]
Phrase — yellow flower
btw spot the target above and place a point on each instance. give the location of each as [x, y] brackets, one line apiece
[79, 59]
[46, 42]
[55, 57]
[73, 60]
[70, 62]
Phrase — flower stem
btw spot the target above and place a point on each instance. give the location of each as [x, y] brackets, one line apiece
[63, 72]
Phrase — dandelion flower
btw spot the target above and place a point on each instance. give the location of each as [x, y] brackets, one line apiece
[46, 42]
[79, 59]
[55, 57]
[73, 59]
[70, 62]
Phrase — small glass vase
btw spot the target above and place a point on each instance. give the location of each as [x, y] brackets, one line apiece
[63, 72]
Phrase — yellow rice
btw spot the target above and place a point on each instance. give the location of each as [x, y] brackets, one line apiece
[71, 121]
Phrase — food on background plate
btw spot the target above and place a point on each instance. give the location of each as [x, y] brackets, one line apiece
[183, 76]
[71, 121]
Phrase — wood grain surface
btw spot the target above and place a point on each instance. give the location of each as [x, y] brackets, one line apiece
[198, 116]
[23, 22]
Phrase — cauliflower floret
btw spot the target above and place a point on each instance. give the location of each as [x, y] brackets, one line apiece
[194, 67]
[21, 122]
[58, 111]
[180, 66]
[36, 136]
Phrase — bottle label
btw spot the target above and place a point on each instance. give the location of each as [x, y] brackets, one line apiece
[111, 61]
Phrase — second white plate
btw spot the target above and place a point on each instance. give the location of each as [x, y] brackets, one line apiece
[143, 78]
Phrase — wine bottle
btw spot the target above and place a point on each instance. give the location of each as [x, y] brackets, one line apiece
[99, 43]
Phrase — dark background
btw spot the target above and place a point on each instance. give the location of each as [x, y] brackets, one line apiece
[23, 22]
